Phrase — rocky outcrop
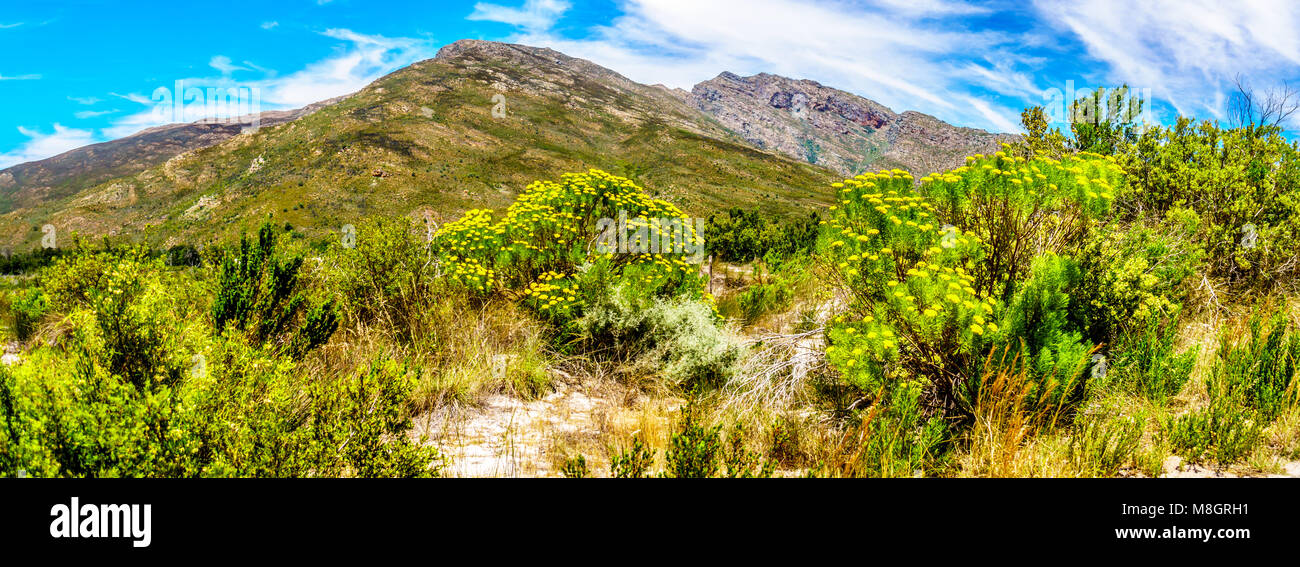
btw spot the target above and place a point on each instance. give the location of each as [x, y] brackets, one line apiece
[832, 128]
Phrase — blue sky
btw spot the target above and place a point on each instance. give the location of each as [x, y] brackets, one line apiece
[76, 73]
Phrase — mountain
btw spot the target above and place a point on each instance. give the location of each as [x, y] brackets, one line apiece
[470, 128]
[63, 175]
[839, 130]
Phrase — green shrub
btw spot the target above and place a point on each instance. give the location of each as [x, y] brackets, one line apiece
[897, 437]
[700, 452]
[387, 277]
[558, 239]
[1261, 370]
[1225, 432]
[1100, 446]
[761, 299]
[1146, 361]
[633, 463]
[677, 339]
[246, 414]
[28, 307]
[1132, 274]
[933, 302]
[259, 293]
[575, 467]
[1243, 183]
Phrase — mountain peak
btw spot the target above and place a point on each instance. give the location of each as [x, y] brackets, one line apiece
[839, 130]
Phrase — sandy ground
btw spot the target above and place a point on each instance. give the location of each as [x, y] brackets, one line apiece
[1175, 468]
[508, 437]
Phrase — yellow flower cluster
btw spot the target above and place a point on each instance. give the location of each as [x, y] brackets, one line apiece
[549, 231]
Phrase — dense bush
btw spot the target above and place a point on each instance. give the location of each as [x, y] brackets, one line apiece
[677, 339]
[591, 231]
[387, 278]
[931, 297]
[144, 387]
[259, 293]
[739, 235]
[28, 307]
[1147, 362]
[1252, 382]
[1242, 183]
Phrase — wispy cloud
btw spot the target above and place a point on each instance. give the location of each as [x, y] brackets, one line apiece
[134, 97]
[1186, 51]
[893, 52]
[20, 78]
[88, 100]
[84, 114]
[534, 15]
[13, 25]
[40, 145]
[359, 61]
[223, 64]
[270, 25]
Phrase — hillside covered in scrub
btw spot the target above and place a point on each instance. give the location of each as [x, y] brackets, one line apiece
[434, 138]
[1109, 301]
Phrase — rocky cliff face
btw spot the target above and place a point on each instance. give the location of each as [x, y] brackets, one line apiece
[835, 129]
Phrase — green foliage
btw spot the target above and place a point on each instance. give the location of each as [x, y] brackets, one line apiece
[1037, 320]
[1040, 140]
[1243, 186]
[239, 410]
[739, 462]
[259, 293]
[1019, 209]
[1104, 122]
[29, 307]
[1261, 369]
[387, 277]
[898, 439]
[1099, 447]
[695, 450]
[556, 233]
[932, 302]
[741, 235]
[1146, 361]
[1132, 275]
[700, 452]
[575, 467]
[677, 339]
[760, 299]
[633, 463]
[1224, 432]
[1253, 381]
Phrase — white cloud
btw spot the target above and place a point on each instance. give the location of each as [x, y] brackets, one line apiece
[84, 114]
[134, 97]
[13, 25]
[894, 53]
[40, 145]
[223, 64]
[270, 25]
[20, 78]
[1186, 51]
[535, 15]
[358, 61]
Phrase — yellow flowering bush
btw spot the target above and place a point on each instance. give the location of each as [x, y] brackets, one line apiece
[914, 309]
[544, 248]
[943, 272]
[1023, 208]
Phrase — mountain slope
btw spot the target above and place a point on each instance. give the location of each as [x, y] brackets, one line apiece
[424, 139]
[836, 129]
[27, 184]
